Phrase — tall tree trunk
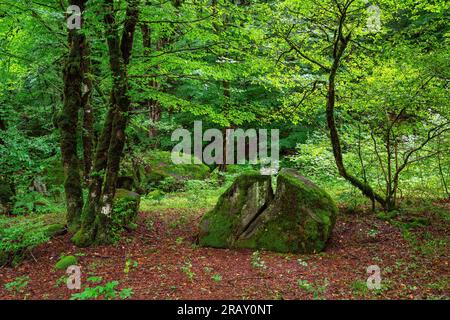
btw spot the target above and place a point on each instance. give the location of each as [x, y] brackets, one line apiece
[88, 116]
[68, 124]
[226, 140]
[97, 211]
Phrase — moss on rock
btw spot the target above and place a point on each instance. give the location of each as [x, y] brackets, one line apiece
[126, 208]
[242, 201]
[54, 230]
[65, 262]
[299, 218]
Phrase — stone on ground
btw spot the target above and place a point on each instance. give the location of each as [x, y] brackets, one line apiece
[299, 218]
[65, 262]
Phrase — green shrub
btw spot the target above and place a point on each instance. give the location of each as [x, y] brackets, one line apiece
[18, 285]
[18, 237]
[107, 292]
[34, 202]
[171, 184]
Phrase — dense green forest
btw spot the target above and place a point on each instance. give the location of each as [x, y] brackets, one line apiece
[341, 117]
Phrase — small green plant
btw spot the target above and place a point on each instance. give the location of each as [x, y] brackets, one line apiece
[187, 269]
[126, 293]
[305, 285]
[217, 277]
[441, 285]
[302, 262]
[107, 292]
[171, 184]
[208, 269]
[179, 240]
[434, 247]
[34, 202]
[61, 280]
[257, 262]
[316, 290]
[18, 285]
[359, 287]
[156, 196]
[149, 224]
[125, 210]
[80, 254]
[130, 264]
[94, 279]
[372, 233]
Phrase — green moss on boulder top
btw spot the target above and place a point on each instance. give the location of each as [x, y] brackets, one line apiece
[298, 219]
[54, 230]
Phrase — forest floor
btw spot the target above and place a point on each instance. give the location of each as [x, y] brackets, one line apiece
[160, 260]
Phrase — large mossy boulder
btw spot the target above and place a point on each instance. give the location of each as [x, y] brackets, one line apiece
[155, 167]
[299, 218]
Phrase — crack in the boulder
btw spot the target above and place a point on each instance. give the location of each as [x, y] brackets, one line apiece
[252, 225]
[247, 231]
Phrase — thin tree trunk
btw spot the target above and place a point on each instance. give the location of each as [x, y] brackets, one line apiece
[441, 172]
[88, 116]
[227, 96]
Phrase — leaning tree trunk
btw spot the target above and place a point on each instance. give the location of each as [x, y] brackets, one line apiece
[68, 124]
[339, 47]
[97, 212]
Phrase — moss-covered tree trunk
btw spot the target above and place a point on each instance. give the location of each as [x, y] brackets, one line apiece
[97, 212]
[68, 123]
[88, 115]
